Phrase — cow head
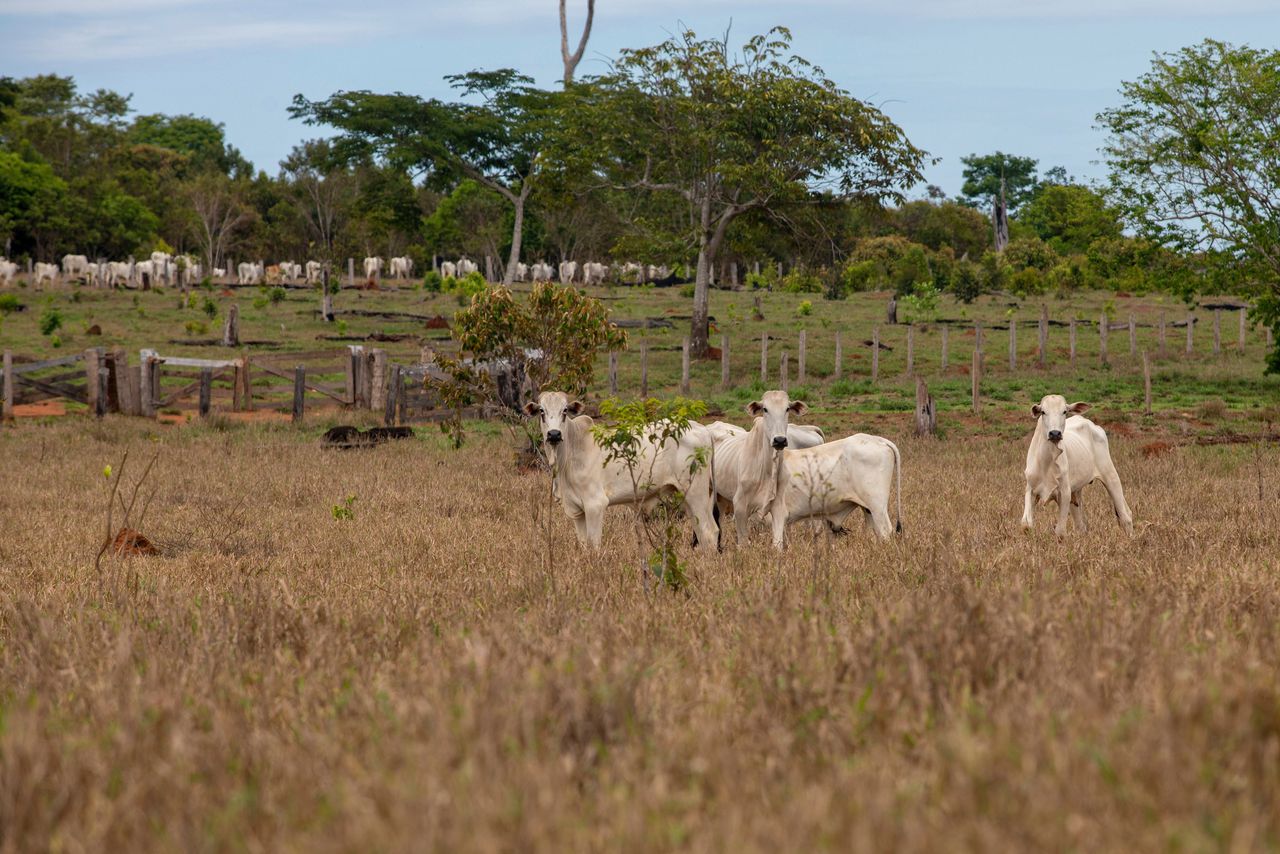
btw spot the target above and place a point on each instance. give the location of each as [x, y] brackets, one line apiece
[1053, 412]
[553, 407]
[775, 407]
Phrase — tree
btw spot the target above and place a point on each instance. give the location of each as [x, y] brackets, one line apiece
[1002, 181]
[571, 60]
[1194, 154]
[496, 143]
[728, 134]
[218, 214]
[1070, 217]
[32, 198]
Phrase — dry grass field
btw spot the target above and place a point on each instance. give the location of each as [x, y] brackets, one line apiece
[427, 676]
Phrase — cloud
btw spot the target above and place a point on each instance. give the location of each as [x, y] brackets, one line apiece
[98, 8]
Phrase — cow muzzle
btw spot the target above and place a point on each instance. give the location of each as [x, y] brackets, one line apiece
[1055, 435]
[553, 437]
[779, 442]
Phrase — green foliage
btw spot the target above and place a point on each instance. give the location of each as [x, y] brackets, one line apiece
[857, 276]
[1030, 253]
[276, 294]
[50, 321]
[55, 341]
[345, 510]
[432, 282]
[983, 175]
[966, 281]
[10, 303]
[921, 304]
[195, 327]
[805, 308]
[801, 281]
[766, 279]
[687, 291]
[210, 308]
[1070, 217]
[466, 286]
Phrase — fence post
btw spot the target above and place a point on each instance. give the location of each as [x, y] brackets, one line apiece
[124, 398]
[1013, 344]
[800, 359]
[351, 271]
[299, 391]
[684, 366]
[946, 334]
[1160, 342]
[975, 376]
[231, 327]
[926, 412]
[782, 371]
[378, 381]
[146, 385]
[875, 353]
[1044, 334]
[393, 397]
[1191, 325]
[246, 380]
[100, 402]
[7, 411]
[91, 378]
[1104, 326]
[911, 348]
[613, 373]
[1240, 341]
[1072, 327]
[366, 379]
[351, 376]
[977, 336]
[1133, 337]
[206, 391]
[1146, 383]
[835, 372]
[764, 359]
[644, 371]
[724, 361]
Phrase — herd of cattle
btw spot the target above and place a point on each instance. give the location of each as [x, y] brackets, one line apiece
[184, 270]
[782, 472]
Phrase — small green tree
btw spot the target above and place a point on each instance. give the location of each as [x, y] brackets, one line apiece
[631, 429]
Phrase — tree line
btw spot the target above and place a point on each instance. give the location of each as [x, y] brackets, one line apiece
[715, 159]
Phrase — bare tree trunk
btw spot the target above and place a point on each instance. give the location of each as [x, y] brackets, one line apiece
[571, 60]
[517, 237]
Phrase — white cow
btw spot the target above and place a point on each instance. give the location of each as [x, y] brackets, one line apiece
[1067, 453]
[248, 273]
[746, 461]
[541, 272]
[8, 270]
[145, 272]
[568, 270]
[219, 272]
[314, 271]
[74, 265]
[522, 272]
[402, 267]
[289, 271]
[44, 271]
[373, 266]
[161, 266]
[631, 271]
[448, 270]
[119, 273]
[586, 484]
[466, 267]
[593, 273]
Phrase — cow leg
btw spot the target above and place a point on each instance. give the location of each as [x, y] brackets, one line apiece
[1077, 512]
[579, 523]
[1111, 480]
[1028, 509]
[1064, 507]
[881, 523]
[593, 523]
[779, 519]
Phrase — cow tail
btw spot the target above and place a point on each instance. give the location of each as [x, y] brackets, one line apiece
[897, 465]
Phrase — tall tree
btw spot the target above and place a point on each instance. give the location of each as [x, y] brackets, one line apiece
[730, 133]
[1194, 153]
[218, 213]
[496, 143]
[1004, 182]
[323, 192]
[571, 60]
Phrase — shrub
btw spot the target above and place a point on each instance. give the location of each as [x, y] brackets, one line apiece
[764, 280]
[1027, 281]
[196, 327]
[210, 308]
[276, 295]
[50, 321]
[805, 308]
[467, 286]
[10, 303]
[55, 341]
[432, 282]
[921, 303]
[801, 281]
[858, 276]
[966, 281]
[687, 291]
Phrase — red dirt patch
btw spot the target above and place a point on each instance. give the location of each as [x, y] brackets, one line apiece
[226, 292]
[1157, 448]
[93, 330]
[40, 410]
[1120, 428]
[438, 322]
[713, 353]
[131, 542]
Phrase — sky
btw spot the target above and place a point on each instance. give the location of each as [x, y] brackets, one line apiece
[960, 76]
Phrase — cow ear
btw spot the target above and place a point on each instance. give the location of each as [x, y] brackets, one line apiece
[755, 407]
[1036, 410]
[798, 407]
[1078, 407]
[575, 408]
[531, 409]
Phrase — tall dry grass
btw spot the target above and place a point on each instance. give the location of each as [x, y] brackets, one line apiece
[414, 678]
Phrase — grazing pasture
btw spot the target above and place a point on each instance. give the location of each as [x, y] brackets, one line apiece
[403, 647]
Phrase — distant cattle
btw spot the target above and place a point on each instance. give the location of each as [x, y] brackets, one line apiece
[541, 272]
[587, 484]
[119, 273]
[1067, 453]
[161, 263]
[448, 270]
[44, 271]
[466, 267]
[314, 269]
[568, 271]
[521, 273]
[74, 265]
[401, 268]
[593, 273]
[373, 267]
[290, 271]
[249, 273]
[8, 270]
